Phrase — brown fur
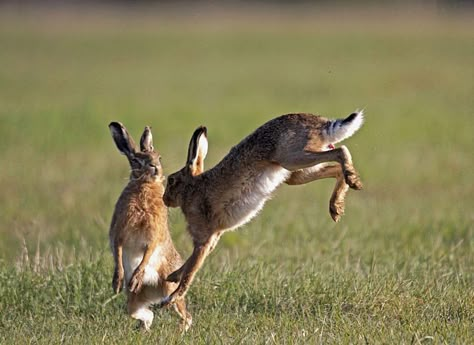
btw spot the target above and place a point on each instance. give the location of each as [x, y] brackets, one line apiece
[290, 148]
[139, 229]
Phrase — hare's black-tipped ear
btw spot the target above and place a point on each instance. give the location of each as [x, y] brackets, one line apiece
[122, 139]
[197, 151]
[146, 141]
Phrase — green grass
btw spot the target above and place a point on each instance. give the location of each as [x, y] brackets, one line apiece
[399, 266]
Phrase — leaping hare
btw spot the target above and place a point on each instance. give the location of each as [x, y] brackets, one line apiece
[143, 251]
[292, 149]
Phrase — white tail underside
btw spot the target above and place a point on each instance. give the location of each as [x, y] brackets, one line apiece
[339, 130]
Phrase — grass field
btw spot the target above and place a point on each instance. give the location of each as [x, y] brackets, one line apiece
[397, 269]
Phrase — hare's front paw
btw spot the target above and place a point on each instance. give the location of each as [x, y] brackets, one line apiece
[136, 282]
[117, 281]
[166, 301]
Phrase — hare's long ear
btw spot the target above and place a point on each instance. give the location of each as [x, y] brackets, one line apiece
[122, 139]
[197, 151]
[146, 141]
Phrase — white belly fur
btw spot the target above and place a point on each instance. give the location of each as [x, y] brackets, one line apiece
[251, 203]
[132, 258]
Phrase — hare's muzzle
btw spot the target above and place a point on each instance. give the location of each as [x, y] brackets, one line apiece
[166, 199]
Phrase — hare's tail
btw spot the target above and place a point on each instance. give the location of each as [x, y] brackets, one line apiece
[338, 130]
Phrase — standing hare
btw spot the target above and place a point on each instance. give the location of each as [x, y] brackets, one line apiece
[292, 149]
[143, 251]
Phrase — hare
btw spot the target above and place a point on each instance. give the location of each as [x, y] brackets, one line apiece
[293, 149]
[141, 244]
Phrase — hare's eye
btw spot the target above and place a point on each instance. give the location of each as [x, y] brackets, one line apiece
[138, 162]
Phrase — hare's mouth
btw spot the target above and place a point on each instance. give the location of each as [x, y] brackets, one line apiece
[331, 146]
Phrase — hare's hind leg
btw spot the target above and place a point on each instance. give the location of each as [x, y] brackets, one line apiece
[336, 203]
[180, 307]
[138, 308]
[304, 159]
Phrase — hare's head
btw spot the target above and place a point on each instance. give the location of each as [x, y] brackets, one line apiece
[146, 162]
[180, 180]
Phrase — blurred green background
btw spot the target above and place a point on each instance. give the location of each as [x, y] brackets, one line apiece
[66, 73]
[65, 76]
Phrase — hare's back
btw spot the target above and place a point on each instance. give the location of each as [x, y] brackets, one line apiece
[287, 133]
[297, 123]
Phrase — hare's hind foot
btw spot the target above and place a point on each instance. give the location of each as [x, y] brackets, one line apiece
[352, 179]
[180, 307]
[144, 315]
[336, 209]
[138, 309]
